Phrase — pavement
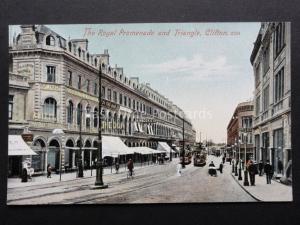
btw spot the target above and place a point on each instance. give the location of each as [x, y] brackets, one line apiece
[42, 179]
[274, 192]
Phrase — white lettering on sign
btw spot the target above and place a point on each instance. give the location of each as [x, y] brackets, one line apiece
[50, 87]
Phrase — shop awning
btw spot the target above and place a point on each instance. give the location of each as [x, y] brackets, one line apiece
[143, 150]
[17, 146]
[163, 146]
[114, 146]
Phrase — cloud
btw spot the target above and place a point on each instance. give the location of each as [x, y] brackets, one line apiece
[195, 68]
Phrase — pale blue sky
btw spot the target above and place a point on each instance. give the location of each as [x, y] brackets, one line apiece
[207, 76]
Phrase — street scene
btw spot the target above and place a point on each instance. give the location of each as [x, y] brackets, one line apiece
[149, 113]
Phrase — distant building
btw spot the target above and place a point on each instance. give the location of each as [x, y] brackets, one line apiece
[239, 132]
[271, 60]
[58, 81]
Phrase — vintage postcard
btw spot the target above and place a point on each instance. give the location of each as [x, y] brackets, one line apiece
[149, 113]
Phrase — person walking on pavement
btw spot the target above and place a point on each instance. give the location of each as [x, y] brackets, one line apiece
[179, 166]
[280, 166]
[252, 171]
[223, 159]
[130, 167]
[117, 166]
[49, 170]
[260, 168]
[269, 172]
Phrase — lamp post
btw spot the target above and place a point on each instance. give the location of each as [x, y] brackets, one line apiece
[236, 169]
[183, 150]
[99, 184]
[246, 182]
[60, 133]
[240, 164]
[232, 148]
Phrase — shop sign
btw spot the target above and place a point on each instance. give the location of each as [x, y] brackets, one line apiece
[27, 137]
[50, 87]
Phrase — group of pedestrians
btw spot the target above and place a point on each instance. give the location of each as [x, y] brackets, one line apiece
[262, 168]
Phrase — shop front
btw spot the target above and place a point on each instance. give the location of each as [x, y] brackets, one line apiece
[18, 152]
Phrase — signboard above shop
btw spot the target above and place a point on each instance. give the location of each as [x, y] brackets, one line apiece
[27, 137]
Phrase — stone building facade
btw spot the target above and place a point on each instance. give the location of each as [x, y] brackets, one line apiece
[62, 80]
[239, 132]
[271, 60]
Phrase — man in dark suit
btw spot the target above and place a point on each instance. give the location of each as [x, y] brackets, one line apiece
[269, 172]
[252, 171]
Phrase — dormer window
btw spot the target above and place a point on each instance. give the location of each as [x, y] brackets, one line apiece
[120, 76]
[95, 62]
[125, 80]
[109, 69]
[50, 40]
[103, 65]
[88, 57]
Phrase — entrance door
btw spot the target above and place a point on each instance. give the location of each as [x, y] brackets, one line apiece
[265, 144]
[15, 166]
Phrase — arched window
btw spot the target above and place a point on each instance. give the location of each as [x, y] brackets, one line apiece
[50, 109]
[95, 117]
[50, 40]
[79, 110]
[70, 112]
[103, 65]
[88, 116]
[95, 62]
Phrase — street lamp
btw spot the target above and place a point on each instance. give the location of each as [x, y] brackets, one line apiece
[240, 164]
[60, 133]
[236, 169]
[246, 182]
[183, 150]
[99, 184]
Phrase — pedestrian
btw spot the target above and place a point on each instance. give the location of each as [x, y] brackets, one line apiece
[49, 170]
[179, 167]
[223, 159]
[230, 160]
[24, 175]
[211, 164]
[252, 171]
[269, 172]
[221, 167]
[260, 168]
[130, 167]
[117, 166]
[280, 166]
